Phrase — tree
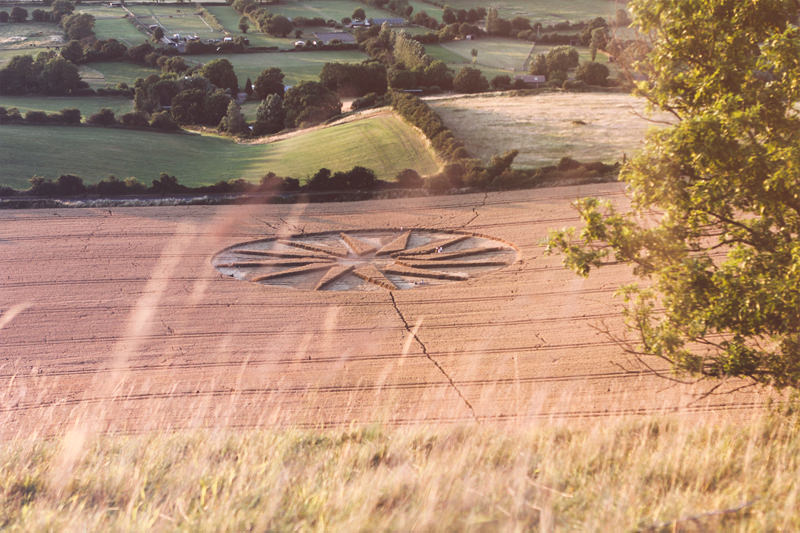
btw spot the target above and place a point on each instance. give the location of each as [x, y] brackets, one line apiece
[4, 16]
[78, 26]
[562, 58]
[269, 116]
[72, 51]
[158, 34]
[59, 77]
[449, 16]
[61, 8]
[233, 121]
[592, 73]
[598, 41]
[470, 80]
[104, 117]
[270, 81]
[310, 103]
[359, 14]
[18, 14]
[220, 73]
[244, 25]
[279, 25]
[715, 211]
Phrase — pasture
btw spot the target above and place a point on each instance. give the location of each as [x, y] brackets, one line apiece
[52, 104]
[383, 143]
[546, 11]
[25, 35]
[327, 9]
[7, 53]
[296, 66]
[182, 19]
[120, 29]
[493, 53]
[546, 127]
[105, 73]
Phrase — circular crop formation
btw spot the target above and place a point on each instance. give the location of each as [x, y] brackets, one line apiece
[365, 259]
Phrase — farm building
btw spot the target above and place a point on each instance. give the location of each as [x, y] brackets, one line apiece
[329, 37]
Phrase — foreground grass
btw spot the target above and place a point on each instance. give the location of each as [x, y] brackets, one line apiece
[383, 143]
[618, 475]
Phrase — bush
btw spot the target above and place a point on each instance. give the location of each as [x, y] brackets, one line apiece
[592, 73]
[70, 116]
[470, 80]
[134, 119]
[36, 117]
[409, 179]
[163, 121]
[104, 117]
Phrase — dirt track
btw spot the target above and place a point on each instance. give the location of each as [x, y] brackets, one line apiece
[117, 320]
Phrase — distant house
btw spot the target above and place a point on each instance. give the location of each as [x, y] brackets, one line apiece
[534, 80]
[356, 23]
[341, 36]
[390, 21]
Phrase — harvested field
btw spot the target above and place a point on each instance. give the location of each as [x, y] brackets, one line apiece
[118, 320]
[546, 127]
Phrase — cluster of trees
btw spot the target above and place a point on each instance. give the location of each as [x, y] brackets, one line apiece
[354, 79]
[58, 9]
[407, 64]
[48, 73]
[419, 114]
[266, 21]
[65, 116]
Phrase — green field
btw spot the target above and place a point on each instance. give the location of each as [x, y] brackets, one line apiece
[296, 66]
[30, 34]
[7, 54]
[430, 9]
[51, 104]
[105, 73]
[545, 11]
[383, 143]
[120, 29]
[494, 53]
[183, 19]
[457, 62]
[327, 9]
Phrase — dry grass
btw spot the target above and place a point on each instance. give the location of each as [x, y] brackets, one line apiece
[547, 127]
[627, 474]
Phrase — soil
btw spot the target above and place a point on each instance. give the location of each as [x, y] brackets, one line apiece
[117, 320]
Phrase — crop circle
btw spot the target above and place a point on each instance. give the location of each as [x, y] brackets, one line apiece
[365, 260]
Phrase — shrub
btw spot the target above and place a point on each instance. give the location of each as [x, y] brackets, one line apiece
[104, 117]
[470, 80]
[163, 121]
[37, 117]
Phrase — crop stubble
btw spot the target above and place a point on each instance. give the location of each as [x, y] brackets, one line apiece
[123, 324]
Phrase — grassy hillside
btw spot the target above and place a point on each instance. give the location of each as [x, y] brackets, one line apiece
[383, 143]
[665, 474]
